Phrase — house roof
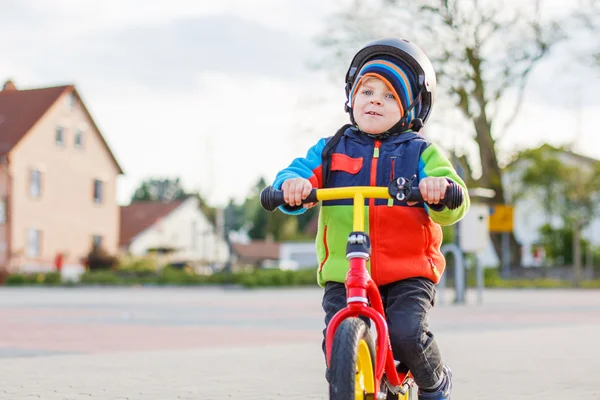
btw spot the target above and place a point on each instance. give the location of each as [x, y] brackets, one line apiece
[257, 250]
[139, 216]
[20, 110]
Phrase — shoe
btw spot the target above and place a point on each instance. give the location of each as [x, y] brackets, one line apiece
[444, 391]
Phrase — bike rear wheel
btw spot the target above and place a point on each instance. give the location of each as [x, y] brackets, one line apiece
[352, 362]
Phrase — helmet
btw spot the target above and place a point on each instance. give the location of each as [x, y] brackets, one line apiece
[413, 56]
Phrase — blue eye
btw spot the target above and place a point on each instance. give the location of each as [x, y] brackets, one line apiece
[367, 92]
[391, 96]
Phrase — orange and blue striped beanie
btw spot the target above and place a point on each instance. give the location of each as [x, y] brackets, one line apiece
[396, 74]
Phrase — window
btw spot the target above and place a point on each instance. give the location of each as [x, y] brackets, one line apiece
[60, 136]
[96, 241]
[98, 191]
[35, 184]
[3, 212]
[79, 139]
[71, 101]
[34, 242]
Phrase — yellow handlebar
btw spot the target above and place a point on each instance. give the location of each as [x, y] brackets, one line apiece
[358, 193]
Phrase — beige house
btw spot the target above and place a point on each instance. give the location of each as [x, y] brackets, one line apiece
[57, 180]
[179, 229]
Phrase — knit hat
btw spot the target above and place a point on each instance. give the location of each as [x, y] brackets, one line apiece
[399, 78]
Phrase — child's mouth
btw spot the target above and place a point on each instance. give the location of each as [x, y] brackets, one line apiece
[373, 113]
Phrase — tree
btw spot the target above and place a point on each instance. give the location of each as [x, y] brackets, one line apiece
[276, 225]
[567, 190]
[541, 173]
[159, 189]
[483, 55]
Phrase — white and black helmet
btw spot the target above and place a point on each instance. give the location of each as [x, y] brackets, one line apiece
[410, 55]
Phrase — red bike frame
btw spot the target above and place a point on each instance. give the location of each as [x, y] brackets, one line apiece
[360, 286]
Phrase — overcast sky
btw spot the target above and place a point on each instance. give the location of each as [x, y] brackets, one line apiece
[220, 93]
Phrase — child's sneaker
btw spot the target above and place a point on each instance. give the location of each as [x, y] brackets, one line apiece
[443, 393]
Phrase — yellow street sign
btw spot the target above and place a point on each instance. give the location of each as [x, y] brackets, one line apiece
[501, 218]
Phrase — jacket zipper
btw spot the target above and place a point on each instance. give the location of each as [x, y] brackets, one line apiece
[326, 249]
[373, 182]
[435, 271]
[391, 201]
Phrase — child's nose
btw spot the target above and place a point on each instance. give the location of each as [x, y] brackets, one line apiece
[376, 100]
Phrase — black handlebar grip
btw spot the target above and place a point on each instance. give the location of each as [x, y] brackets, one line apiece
[453, 198]
[271, 198]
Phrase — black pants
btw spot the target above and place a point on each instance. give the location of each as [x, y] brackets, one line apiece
[406, 304]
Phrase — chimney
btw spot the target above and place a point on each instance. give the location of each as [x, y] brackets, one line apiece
[9, 85]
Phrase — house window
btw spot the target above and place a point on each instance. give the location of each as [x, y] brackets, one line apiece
[96, 241]
[60, 136]
[78, 139]
[3, 212]
[71, 101]
[98, 191]
[34, 242]
[35, 184]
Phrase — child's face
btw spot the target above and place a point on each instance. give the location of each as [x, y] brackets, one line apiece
[375, 108]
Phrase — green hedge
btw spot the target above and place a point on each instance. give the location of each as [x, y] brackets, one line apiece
[174, 276]
[255, 279]
[48, 278]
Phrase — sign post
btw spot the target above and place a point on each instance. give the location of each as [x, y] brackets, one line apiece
[501, 221]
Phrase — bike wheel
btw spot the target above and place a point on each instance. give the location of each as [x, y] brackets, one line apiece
[352, 363]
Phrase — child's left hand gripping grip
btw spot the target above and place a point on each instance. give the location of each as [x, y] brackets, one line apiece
[271, 198]
[452, 199]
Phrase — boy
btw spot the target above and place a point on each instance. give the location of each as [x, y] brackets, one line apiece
[390, 89]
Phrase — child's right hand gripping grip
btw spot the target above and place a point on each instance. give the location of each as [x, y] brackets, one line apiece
[271, 198]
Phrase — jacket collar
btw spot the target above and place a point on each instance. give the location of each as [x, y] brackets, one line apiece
[364, 138]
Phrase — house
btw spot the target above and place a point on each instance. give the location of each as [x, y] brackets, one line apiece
[257, 253]
[270, 254]
[58, 180]
[529, 213]
[177, 228]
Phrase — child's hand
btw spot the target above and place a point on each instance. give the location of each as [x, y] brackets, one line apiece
[295, 190]
[433, 189]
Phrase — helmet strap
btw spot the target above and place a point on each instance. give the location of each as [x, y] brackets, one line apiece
[404, 125]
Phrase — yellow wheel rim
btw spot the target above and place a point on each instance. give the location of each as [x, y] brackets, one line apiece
[365, 382]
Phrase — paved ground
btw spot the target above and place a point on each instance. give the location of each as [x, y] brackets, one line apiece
[157, 343]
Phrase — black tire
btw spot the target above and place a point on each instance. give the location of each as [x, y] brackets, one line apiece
[344, 355]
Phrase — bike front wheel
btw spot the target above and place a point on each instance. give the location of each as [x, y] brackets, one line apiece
[352, 362]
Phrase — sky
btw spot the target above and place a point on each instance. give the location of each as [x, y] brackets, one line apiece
[221, 93]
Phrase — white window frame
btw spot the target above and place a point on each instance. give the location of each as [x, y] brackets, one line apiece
[98, 196]
[35, 187]
[62, 131]
[71, 100]
[97, 241]
[78, 135]
[3, 211]
[34, 242]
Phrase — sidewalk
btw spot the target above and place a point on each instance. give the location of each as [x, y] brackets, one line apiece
[191, 344]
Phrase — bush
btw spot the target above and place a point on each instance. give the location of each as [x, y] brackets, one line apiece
[276, 277]
[41, 278]
[100, 278]
[100, 259]
[138, 265]
[17, 280]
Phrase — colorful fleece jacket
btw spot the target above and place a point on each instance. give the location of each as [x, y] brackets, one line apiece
[405, 240]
